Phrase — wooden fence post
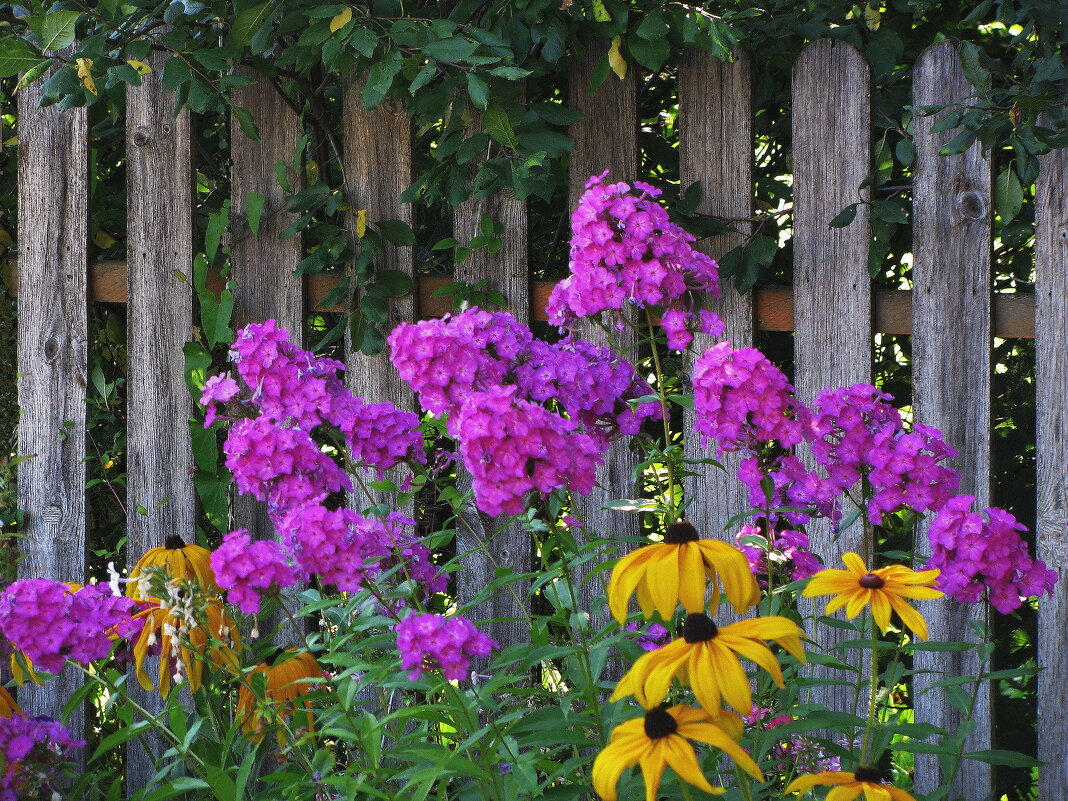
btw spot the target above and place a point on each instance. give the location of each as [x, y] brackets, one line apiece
[951, 355]
[606, 138]
[832, 291]
[1051, 387]
[716, 149]
[489, 544]
[263, 265]
[53, 323]
[161, 499]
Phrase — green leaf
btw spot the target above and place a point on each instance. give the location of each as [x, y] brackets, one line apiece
[478, 90]
[845, 216]
[1008, 195]
[253, 210]
[651, 54]
[16, 57]
[33, 74]
[496, 123]
[396, 283]
[248, 125]
[653, 26]
[999, 756]
[455, 48]
[396, 232]
[57, 30]
[247, 22]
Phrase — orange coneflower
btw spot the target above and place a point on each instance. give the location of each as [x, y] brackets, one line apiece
[672, 572]
[183, 641]
[659, 740]
[288, 677]
[848, 786]
[884, 590]
[180, 561]
[706, 657]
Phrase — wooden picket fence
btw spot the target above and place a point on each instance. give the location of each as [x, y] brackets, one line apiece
[951, 313]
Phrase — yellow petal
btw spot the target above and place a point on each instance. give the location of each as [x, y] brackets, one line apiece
[857, 602]
[846, 792]
[880, 609]
[612, 761]
[628, 571]
[755, 652]
[910, 617]
[873, 792]
[682, 759]
[702, 677]
[828, 777]
[898, 794]
[662, 578]
[855, 564]
[733, 682]
[692, 582]
[653, 763]
[718, 738]
[829, 582]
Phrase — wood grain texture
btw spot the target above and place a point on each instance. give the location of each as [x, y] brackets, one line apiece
[951, 358]
[53, 311]
[491, 543]
[716, 149]
[159, 157]
[1051, 386]
[832, 290]
[262, 267]
[606, 138]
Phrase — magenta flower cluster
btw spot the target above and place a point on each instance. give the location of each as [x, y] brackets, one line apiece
[34, 752]
[503, 391]
[427, 641]
[250, 569]
[651, 638]
[789, 549]
[625, 250]
[794, 753]
[742, 400]
[50, 623]
[978, 554]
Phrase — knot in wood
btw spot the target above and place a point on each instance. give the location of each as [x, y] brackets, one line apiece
[51, 348]
[52, 514]
[971, 206]
[1062, 234]
[140, 137]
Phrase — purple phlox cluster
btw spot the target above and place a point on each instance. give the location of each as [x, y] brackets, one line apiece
[512, 446]
[219, 389]
[789, 549]
[408, 551]
[854, 432]
[795, 753]
[742, 400]
[625, 250]
[248, 570]
[343, 547]
[427, 641]
[34, 752]
[50, 623]
[651, 638]
[283, 466]
[380, 435]
[679, 326]
[977, 554]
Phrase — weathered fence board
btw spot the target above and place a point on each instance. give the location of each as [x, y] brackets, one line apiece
[1051, 387]
[53, 320]
[832, 290]
[951, 351]
[491, 543]
[606, 138]
[161, 499]
[716, 149]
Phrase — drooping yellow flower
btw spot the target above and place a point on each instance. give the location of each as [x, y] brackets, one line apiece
[8, 705]
[706, 657]
[180, 561]
[287, 679]
[884, 590]
[848, 786]
[184, 643]
[672, 572]
[659, 740]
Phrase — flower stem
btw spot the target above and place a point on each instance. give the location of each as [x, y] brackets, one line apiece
[865, 757]
[664, 416]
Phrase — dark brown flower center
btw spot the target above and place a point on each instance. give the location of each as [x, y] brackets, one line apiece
[174, 543]
[698, 628]
[868, 774]
[870, 581]
[681, 533]
[659, 723]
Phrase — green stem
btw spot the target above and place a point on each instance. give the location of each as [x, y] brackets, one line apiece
[664, 416]
[744, 784]
[865, 757]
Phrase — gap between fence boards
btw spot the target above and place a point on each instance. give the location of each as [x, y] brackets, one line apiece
[1014, 314]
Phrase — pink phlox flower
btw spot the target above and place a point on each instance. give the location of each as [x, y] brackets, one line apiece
[343, 548]
[218, 389]
[428, 641]
[248, 570]
[33, 753]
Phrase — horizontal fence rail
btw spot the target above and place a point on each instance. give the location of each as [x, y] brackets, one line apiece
[952, 313]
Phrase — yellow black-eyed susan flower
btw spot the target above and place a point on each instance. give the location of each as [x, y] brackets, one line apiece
[884, 590]
[8, 705]
[672, 572]
[183, 642]
[180, 561]
[659, 740]
[706, 658]
[847, 786]
[287, 679]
